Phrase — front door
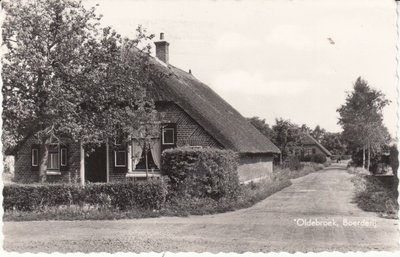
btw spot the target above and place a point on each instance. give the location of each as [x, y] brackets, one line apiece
[96, 165]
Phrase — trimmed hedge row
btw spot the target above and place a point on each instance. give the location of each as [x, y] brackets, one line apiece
[200, 173]
[146, 195]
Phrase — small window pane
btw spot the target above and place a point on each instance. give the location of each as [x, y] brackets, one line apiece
[35, 157]
[168, 136]
[52, 161]
[120, 158]
[63, 157]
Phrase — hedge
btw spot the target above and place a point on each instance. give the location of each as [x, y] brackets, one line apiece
[145, 195]
[206, 172]
[318, 158]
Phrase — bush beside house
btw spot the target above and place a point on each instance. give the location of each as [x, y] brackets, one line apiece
[201, 173]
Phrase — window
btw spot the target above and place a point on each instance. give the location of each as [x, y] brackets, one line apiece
[120, 158]
[53, 158]
[314, 150]
[118, 140]
[64, 161]
[35, 157]
[308, 151]
[168, 134]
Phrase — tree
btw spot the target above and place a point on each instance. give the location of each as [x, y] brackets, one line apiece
[306, 129]
[334, 143]
[318, 133]
[288, 136]
[361, 118]
[63, 76]
[262, 126]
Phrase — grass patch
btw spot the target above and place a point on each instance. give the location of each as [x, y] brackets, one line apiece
[374, 196]
[74, 212]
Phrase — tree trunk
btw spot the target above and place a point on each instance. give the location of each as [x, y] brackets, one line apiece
[147, 165]
[44, 149]
[369, 157]
[82, 165]
[363, 163]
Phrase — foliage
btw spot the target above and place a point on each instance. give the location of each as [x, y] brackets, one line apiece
[98, 204]
[361, 119]
[201, 173]
[250, 194]
[394, 159]
[64, 76]
[305, 158]
[292, 162]
[144, 195]
[318, 158]
[288, 136]
[334, 143]
[318, 133]
[373, 195]
[262, 126]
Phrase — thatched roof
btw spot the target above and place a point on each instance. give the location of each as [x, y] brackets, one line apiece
[309, 140]
[208, 109]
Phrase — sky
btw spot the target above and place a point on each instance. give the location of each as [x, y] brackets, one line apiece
[294, 59]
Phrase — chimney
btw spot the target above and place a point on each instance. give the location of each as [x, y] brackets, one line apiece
[162, 49]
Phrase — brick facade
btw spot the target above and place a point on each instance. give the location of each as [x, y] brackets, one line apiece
[189, 133]
[23, 164]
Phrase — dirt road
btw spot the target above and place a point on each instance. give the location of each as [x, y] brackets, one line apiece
[279, 223]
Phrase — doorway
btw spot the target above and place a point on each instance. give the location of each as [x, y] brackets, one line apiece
[96, 165]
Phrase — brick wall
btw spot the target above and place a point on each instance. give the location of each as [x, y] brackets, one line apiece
[189, 132]
[23, 162]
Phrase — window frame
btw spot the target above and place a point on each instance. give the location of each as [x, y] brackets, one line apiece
[65, 164]
[115, 159]
[49, 158]
[33, 157]
[173, 135]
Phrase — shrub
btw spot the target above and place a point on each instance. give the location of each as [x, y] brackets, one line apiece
[292, 162]
[201, 173]
[146, 195]
[318, 158]
[306, 158]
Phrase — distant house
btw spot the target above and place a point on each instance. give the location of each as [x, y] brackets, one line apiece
[193, 115]
[310, 146]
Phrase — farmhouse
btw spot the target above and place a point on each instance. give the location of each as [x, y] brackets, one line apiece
[311, 146]
[192, 115]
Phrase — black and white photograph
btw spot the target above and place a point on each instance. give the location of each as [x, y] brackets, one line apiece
[209, 126]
